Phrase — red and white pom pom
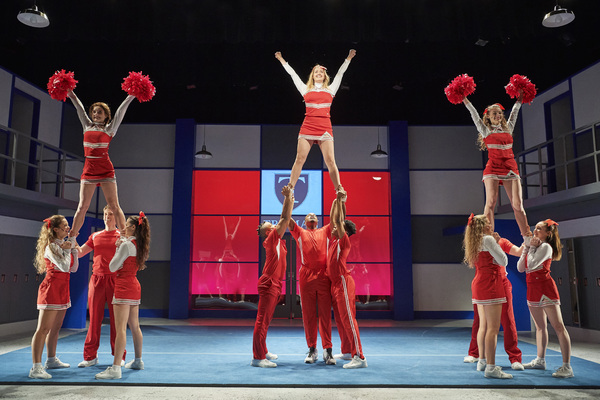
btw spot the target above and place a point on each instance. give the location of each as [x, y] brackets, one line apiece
[519, 83]
[460, 87]
[139, 85]
[60, 83]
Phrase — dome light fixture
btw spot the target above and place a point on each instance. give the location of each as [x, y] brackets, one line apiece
[33, 17]
[558, 17]
[378, 153]
[204, 154]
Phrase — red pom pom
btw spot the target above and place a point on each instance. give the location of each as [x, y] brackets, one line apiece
[460, 87]
[139, 85]
[60, 83]
[521, 83]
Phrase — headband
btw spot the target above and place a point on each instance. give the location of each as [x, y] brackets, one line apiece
[142, 216]
[470, 219]
[549, 222]
[494, 105]
[319, 66]
[47, 221]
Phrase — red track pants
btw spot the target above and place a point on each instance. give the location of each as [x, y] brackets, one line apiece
[269, 290]
[344, 292]
[315, 294]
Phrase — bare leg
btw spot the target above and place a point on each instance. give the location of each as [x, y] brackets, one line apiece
[491, 197]
[492, 320]
[564, 340]
[541, 330]
[86, 192]
[112, 199]
[52, 338]
[515, 195]
[121, 312]
[136, 332]
[301, 154]
[46, 320]
[481, 331]
[329, 157]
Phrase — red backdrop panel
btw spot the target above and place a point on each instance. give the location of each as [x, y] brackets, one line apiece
[368, 192]
[211, 243]
[226, 192]
[225, 278]
[372, 279]
[371, 243]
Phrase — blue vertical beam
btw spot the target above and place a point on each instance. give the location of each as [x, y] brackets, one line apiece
[183, 172]
[402, 297]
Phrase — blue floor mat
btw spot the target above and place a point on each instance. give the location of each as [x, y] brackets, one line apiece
[221, 355]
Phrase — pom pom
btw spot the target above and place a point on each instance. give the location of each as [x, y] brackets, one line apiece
[60, 83]
[518, 83]
[139, 85]
[460, 87]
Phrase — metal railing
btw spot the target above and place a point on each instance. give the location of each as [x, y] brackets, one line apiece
[32, 164]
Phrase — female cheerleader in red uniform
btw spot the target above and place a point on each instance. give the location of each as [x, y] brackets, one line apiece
[483, 252]
[56, 257]
[318, 95]
[495, 135]
[542, 294]
[130, 258]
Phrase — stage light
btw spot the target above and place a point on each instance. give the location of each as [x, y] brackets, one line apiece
[33, 17]
[558, 17]
[204, 154]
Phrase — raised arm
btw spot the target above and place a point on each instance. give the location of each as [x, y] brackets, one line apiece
[301, 86]
[83, 117]
[514, 113]
[337, 216]
[337, 80]
[118, 118]
[286, 212]
[481, 128]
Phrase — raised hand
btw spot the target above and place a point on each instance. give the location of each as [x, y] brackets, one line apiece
[351, 54]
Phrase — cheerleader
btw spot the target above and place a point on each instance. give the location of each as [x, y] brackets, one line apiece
[483, 252]
[542, 294]
[130, 257]
[57, 258]
[495, 135]
[98, 130]
[318, 95]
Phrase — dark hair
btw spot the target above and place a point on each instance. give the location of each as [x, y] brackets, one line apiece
[350, 227]
[259, 229]
[142, 238]
[106, 109]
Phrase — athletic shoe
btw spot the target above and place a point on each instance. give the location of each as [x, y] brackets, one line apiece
[312, 356]
[497, 373]
[88, 363]
[470, 359]
[328, 357]
[270, 356]
[263, 363]
[481, 365]
[563, 372]
[135, 364]
[537, 363]
[517, 366]
[56, 364]
[112, 372]
[356, 362]
[38, 372]
[343, 356]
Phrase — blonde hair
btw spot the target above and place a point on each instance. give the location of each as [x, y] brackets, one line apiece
[486, 122]
[553, 240]
[310, 83]
[473, 238]
[47, 235]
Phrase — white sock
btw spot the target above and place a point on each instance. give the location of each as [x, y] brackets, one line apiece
[567, 365]
[482, 360]
[540, 359]
[51, 359]
[489, 367]
[37, 365]
[137, 360]
[115, 367]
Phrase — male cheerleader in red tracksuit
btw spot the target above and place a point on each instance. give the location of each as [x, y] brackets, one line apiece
[342, 283]
[101, 287]
[269, 284]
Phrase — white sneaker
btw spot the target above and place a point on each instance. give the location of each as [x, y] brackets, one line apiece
[263, 363]
[270, 356]
[343, 356]
[356, 362]
[328, 357]
[497, 373]
[135, 364]
[563, 372]
[470, 359]
[517, 366]
[88, 363]
[481, 365]
[56, 364]
[312, 356]
[537, 363]
[112, 372]
[39, 372]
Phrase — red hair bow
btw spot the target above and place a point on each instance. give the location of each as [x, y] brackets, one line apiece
[549, 222]
[497, 105]
[470, 219]
[47, 221]
[142, 216]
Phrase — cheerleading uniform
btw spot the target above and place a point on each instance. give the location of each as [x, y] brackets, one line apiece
[96, 138]
[53, 292]
[315, 285]
[127, 288]
[541, 288]
[507, 317]
[317, 120]
[269, 289]
[488, 285]
[501, 163]
[344, 291]
[100, 290]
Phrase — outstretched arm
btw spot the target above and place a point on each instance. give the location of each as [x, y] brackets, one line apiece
[286, 212]
[337, 216]
[337, 80]
[119, 115]
[83, 117]
[301, 86]
[481, 128]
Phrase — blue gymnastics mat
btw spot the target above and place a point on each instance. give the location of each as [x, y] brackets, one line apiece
[221, 355]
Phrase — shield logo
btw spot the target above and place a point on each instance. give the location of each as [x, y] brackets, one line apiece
[300, 190]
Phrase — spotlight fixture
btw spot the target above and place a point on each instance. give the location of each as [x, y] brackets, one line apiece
[204, 154]
[378, 153]
[558, 17]
[33, 17]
